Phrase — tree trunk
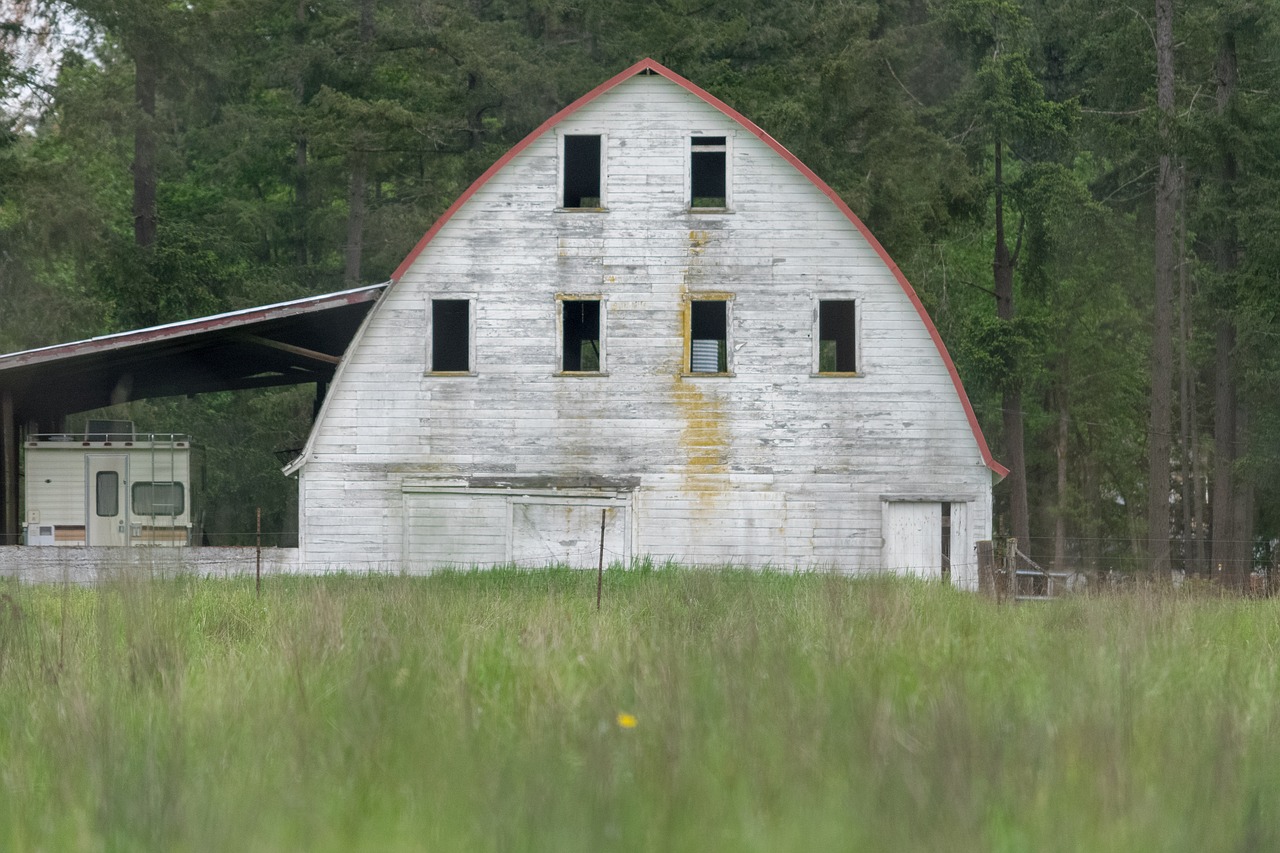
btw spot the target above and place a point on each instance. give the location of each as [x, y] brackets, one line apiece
[1011, 404]
[144, 147]
[1227, 565]
[1092, 547]
[1060, 524]
[1158, 433]
[1224, 455]
[1242, 506]
[355, 220]
[1198, 556]
[301, 194]
[359, 164]
[1187, 443]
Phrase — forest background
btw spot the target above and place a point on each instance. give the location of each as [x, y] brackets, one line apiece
[1082, 192]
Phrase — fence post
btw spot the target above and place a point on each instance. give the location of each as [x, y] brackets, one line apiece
[987, 583]
[1011, 567]
[600, 567]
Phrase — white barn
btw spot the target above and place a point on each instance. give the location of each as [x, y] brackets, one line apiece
[650, 325]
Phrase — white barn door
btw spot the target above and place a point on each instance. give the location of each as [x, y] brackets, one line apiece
[912, 533]
[449, 529]
[484, 528]
[546, 533]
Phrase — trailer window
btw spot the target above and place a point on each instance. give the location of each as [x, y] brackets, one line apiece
[107, 485]
[158, 499]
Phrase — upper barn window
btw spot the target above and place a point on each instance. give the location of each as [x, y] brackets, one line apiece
[836, 350]
[709, 172]
[582, 172]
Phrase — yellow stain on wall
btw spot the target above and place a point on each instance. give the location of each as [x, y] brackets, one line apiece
[704, 436]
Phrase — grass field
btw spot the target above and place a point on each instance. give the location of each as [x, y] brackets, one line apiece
[696, 711]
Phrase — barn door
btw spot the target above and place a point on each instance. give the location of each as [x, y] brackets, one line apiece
[912, 533]
[105, 481]
[547, 533]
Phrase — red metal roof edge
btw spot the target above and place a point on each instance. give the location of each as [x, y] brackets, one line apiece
[183, 328]
[657, 68]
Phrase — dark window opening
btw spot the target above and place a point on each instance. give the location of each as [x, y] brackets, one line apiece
[836, 349]
[158, 499]
[946, 542]
[707, 164]
[107, 487]
[450, 335]
[580, 327]
[582, 171]
[709, 336]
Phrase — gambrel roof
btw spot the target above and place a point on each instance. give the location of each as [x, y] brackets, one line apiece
[649, 66]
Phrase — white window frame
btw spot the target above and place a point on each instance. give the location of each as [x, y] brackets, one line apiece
[728, 170]
[816, 357]
[561, 133]
[709, 296]
[472, 350]
[562, 298]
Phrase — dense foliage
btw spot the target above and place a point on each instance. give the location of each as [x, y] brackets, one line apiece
[168, 160]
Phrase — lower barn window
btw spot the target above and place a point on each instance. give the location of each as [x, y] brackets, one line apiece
[158, 499]
[580, 336]
[450, 335]
[709, 336]
[837, 350]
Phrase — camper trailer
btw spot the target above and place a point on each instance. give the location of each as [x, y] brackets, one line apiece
[108, 486]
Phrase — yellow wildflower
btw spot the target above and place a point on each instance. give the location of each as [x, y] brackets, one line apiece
[627, 721]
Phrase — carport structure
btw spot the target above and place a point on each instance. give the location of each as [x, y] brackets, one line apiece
[289, 343]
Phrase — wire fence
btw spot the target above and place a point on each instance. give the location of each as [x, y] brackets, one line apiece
[1099, 561]
[1075, 554]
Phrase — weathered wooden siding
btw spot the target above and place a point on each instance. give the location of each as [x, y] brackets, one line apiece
[771, 465]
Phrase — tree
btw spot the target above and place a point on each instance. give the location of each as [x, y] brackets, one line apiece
[1159, 429]
[1023, 135]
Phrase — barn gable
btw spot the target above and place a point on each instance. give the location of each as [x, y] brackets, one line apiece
[649, 325]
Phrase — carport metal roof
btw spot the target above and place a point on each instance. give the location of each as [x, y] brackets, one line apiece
[289, 343]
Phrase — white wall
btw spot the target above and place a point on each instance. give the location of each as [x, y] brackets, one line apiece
[771, 465]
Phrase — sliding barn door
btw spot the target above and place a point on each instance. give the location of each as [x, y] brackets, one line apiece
[913, 538]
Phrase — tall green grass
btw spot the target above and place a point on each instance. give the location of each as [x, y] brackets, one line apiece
[772, 712]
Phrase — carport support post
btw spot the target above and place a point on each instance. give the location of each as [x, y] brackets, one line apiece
[9, 464]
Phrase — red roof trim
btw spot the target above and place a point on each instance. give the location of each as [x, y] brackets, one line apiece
[185, 328]
[657, 68]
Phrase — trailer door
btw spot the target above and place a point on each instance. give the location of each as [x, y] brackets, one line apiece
[105, 478]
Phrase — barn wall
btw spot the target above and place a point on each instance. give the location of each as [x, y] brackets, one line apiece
[769, 465]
